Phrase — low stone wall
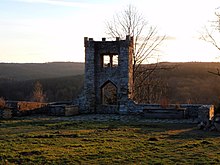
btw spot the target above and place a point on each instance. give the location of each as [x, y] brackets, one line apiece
[22, 108]
[205, 113]
[6, 113]
[192, 110]
[169, 113]
[107, 109]
[63, 110]
[197, 112]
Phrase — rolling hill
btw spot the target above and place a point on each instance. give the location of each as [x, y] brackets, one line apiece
[186, 82]
[192, 83]
[30, 71]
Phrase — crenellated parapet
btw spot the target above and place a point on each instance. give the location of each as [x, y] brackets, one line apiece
[108, 64]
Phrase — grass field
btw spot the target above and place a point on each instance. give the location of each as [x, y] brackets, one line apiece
[49, 140]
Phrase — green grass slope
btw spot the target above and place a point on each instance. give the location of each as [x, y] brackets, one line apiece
[49, 140]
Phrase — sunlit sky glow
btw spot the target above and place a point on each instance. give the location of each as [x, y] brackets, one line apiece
[53, 30]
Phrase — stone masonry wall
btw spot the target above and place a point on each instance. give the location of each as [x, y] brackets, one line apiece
[96, 75]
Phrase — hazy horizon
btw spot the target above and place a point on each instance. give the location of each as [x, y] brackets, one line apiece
[84, 62]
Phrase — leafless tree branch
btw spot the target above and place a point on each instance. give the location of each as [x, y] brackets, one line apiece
[210, 36]
[215, 73]
[146, 42]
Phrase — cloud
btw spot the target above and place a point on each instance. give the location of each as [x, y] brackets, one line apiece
[60, 3]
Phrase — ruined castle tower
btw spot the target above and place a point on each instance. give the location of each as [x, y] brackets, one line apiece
[108, 74]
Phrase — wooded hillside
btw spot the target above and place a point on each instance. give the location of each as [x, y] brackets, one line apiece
[30, 71]
[54, 89]
[186, 83]
[192, 83]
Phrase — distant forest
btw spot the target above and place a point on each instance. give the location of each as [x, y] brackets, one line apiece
[34, 71]
[186, 82]
[192, 83]
[61, 81]
[54, 89]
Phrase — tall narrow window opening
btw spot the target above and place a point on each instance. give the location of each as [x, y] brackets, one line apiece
[115, 61]
[109, 60]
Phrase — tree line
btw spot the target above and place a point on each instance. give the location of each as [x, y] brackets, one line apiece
[42, 90]
[186, 83]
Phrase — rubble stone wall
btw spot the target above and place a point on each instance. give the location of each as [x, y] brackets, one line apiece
[96, 75]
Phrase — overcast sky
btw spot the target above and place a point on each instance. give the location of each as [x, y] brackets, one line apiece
[53, 30]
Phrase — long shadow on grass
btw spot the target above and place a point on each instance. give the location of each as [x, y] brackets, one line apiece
[145, 128]
[170, 131]
[174, 131]
[194, 133]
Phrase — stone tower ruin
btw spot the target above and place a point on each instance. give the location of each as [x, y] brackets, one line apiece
[108, 85]
[108, 75]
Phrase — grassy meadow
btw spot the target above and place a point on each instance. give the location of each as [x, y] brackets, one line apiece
[52, 140]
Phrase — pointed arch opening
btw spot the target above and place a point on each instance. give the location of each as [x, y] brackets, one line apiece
[109, 93]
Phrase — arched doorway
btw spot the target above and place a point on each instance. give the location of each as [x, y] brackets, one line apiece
[109, 93]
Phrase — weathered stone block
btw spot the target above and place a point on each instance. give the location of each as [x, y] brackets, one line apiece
[205, 113]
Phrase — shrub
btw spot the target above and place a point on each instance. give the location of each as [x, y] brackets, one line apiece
[2, 102]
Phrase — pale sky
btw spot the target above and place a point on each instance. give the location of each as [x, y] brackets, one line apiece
[53, 30]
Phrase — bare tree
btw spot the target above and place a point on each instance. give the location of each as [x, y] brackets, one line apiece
[38, 94]
[212, 31]
[152, 89]
[146, 44]
[211, 35]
